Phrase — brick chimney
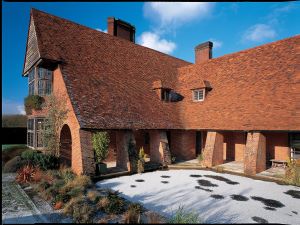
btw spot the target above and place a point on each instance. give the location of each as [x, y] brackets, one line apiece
[203, 52]
[120, 28]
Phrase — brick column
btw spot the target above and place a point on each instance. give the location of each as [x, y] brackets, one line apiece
[123, 138]
[213, 151]
[255, 153]
[87, 152]
[159, 147]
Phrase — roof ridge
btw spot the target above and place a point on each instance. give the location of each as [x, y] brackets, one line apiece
[234, 54]
[111, 36]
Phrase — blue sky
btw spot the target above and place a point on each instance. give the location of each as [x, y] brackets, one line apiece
[173, 28]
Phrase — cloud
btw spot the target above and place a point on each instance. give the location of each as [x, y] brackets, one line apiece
[176, 13]
[259, 32]
[11, 107]
[152, 40]
[216, 43]
[276, 15]
[99, 29]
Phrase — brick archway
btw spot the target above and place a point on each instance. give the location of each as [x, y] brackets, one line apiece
[65, 146]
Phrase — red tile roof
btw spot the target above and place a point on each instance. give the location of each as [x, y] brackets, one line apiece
[255, 89]
[110, 82]
[109, 79]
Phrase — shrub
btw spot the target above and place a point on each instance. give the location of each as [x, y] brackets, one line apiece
[102, 203]
[33, 102]
[112, 203]
[93, 196]
[100, 144]
[183, 216]
[132, 216]
[12, 151]
[141, 161]
[66, 174]
[292, 173]
[136, 207]
[153, 218]
[79, 209]
[13, 165]
[200, 158]
[58, 205]
[25, 174]
[44, 161]
[79, 184]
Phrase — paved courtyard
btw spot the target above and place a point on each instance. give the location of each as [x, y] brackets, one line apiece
[215, 197]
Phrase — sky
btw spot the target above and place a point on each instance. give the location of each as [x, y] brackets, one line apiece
[172, 28]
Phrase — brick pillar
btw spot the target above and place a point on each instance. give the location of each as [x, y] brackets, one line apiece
[87, 152]
[123, 138]
[159, 147]
[255, 153]
[213, 151]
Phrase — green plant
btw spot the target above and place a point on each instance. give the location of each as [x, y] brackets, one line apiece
[173, 159]
[200, 158]
[81, 182]
[184, 216]
[43, 161]
[114, 203]
[136, 207]
[292, 173]
[55, 119]
[132, 215]
[79, 209]
[100, 144]
[33, 102]
[93, 196]
[66, 174]
[13, 165]
[141, 161]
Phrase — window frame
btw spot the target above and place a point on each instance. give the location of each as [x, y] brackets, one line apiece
[40, 81]
[198, 91]
[34, 133]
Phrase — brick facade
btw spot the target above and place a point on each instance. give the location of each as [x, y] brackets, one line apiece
[159, 147]
[213, 152]
[277, 145]
[234, 146]
[255, 153]
[183, 144]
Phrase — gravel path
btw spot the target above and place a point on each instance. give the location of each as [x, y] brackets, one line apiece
[18, 208]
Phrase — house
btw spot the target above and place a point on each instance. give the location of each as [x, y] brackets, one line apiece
[241, 107]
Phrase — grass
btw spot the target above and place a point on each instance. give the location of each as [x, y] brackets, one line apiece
[184, 216]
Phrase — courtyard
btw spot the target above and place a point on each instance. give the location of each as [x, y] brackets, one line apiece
[215, 197]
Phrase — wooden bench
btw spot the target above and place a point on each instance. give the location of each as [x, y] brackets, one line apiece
[276, 163]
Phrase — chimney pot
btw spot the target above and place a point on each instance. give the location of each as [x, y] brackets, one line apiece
[203, 52]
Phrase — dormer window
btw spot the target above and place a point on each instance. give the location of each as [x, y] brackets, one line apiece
[198, 95]
[165, 94]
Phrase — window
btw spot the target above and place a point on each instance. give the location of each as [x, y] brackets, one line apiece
[165, 95]
[198, 95]
[35, 128]
[30, 132]
[31, 79]
[43, 81]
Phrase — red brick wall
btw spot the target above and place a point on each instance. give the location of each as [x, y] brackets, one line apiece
[139, 136]
[202, 55]
[213, 152]
[183, 144]
[277, 145]
[122, 140]
[78, 166]
[234, 146]
[255, 153]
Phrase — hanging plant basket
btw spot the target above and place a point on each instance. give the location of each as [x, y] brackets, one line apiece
[33, 102]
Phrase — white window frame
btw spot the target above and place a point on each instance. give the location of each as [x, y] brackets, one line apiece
[198, 91]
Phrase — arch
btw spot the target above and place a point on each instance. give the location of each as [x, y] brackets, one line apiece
[65, 146]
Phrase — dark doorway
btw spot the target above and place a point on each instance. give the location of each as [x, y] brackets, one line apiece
[169, 138]
[65, 146]
[198, 143]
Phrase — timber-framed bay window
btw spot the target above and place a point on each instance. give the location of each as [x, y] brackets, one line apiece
[40, 81]
[35, 128]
